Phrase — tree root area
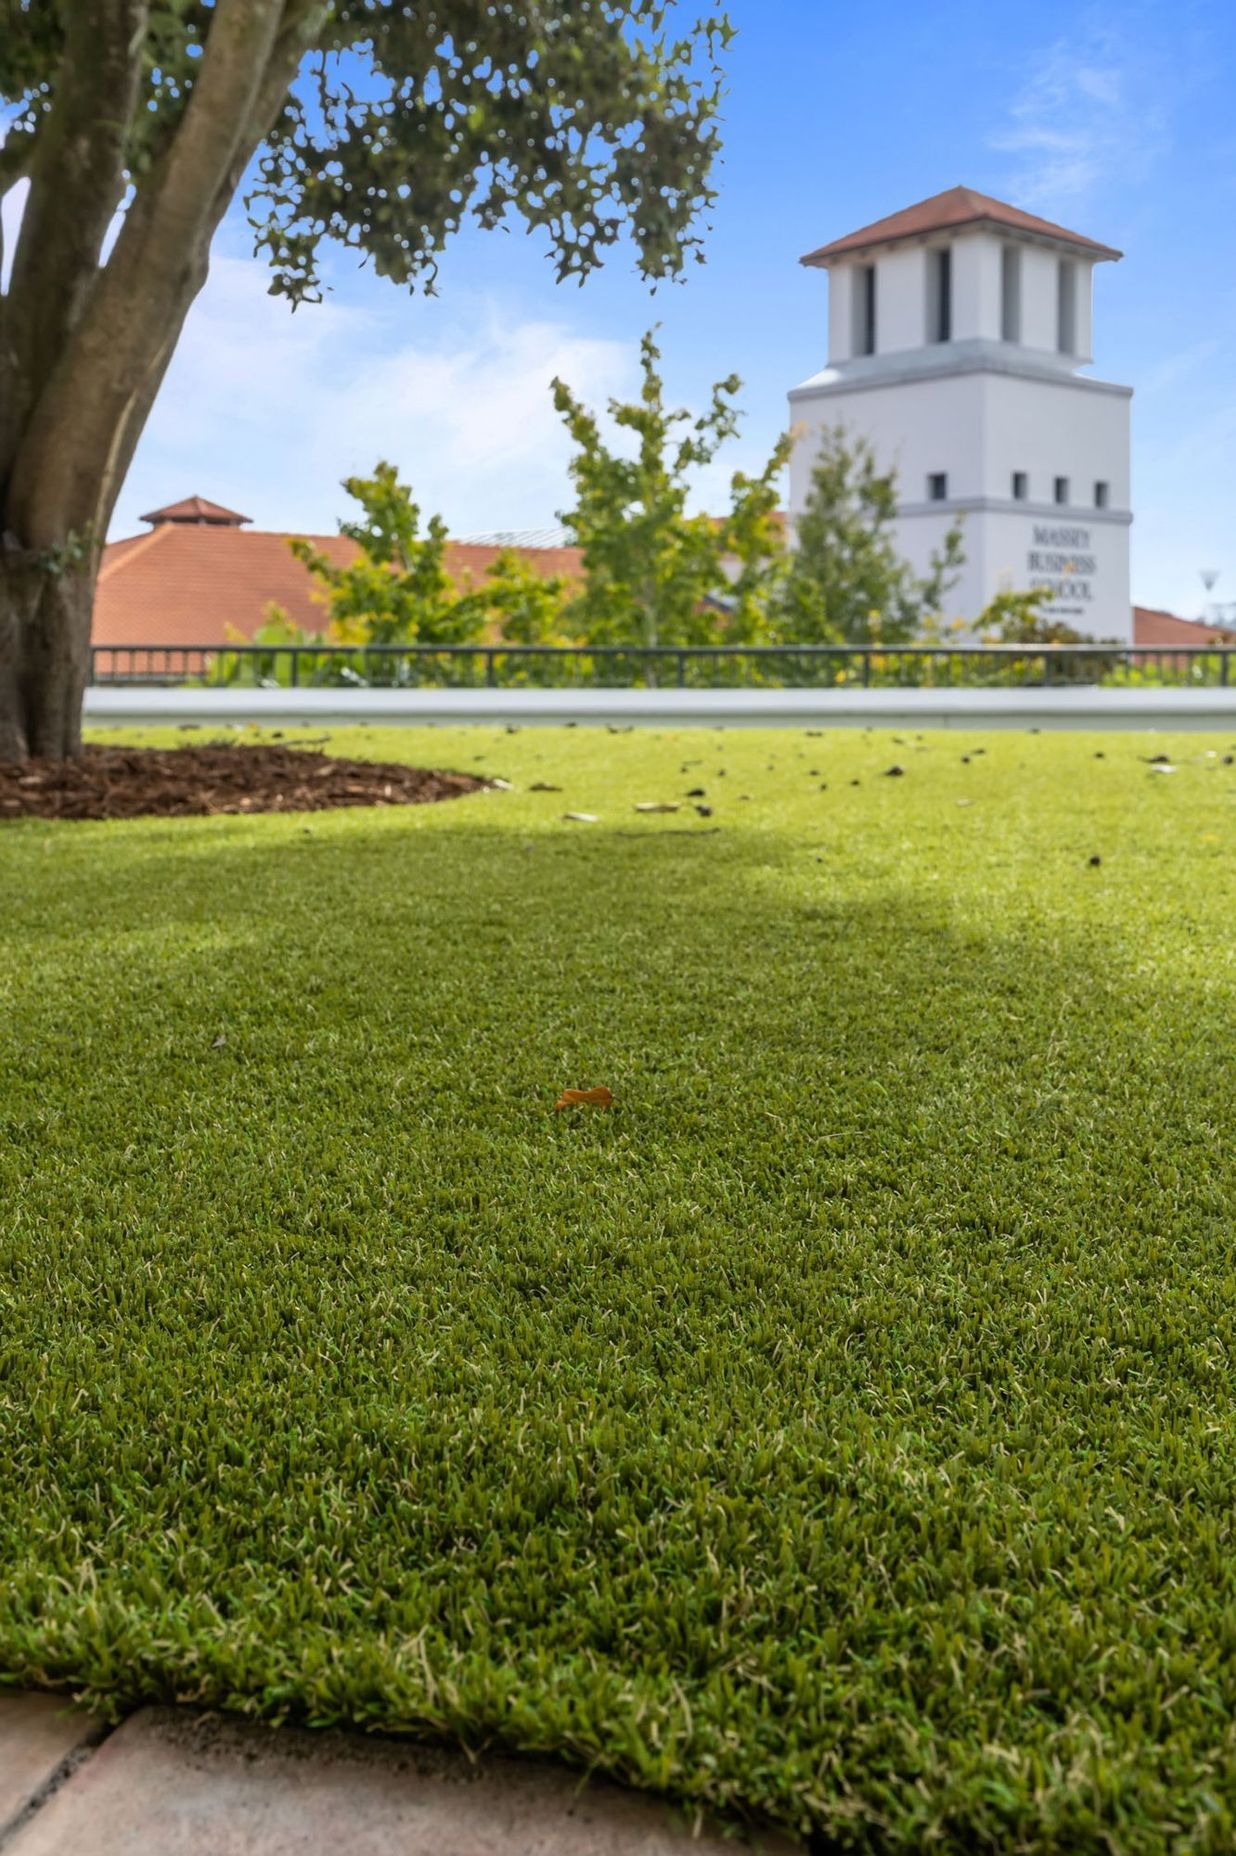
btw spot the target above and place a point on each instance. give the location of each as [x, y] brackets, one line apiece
[120, 782]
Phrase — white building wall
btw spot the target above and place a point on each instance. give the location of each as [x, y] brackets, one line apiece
[1056, 428]
[915, 428]
[1038, 298]
[840, 313]
[1085, 312]
[1082, 555]
[979, 426]
[901, 300]
[917, 537]
[976, 288]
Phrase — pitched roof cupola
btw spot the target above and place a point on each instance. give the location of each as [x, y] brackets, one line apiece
[960, 267]
[196, 512]
[948, 212]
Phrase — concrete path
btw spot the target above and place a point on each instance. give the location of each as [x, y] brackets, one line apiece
[40, 1745]
[171, 1782]
[152, 706]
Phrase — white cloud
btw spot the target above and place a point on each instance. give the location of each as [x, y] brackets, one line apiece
[1087, 116]
[266, 410]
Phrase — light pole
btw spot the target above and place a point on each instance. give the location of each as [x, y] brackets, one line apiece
[1209, 576]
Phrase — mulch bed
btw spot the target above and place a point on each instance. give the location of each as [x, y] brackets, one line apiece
[208, 780]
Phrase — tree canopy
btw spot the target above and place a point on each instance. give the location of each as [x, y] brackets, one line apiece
[365, 124]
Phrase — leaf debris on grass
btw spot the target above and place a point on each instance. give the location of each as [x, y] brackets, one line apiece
[842, 1434]
[600, 1097]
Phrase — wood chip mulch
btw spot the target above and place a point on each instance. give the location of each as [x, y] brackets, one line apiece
[108, 782]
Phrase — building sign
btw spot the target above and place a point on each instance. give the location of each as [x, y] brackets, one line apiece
[1061, 562]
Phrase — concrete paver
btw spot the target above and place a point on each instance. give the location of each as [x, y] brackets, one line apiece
[174, 1784]
[37, 1732]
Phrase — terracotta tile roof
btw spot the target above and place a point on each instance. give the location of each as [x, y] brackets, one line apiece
[197, 509]
[948, 211]
[470, 561]
[1152, 626]
[190, 583]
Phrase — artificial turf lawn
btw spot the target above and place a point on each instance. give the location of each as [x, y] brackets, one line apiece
[840, 1431]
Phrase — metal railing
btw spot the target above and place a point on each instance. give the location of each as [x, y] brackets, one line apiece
[505, 666]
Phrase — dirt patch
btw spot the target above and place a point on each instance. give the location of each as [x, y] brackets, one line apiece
[206, 781]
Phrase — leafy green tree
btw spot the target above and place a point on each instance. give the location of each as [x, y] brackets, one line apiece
[654, 574]
[1018, 618]
[397, 590]
[754, 549]
[368, 124]
[522, 605]
[846, 582]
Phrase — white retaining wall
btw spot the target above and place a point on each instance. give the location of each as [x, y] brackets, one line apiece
[150, 706]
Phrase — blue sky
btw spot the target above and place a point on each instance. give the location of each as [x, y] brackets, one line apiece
[1115, 119]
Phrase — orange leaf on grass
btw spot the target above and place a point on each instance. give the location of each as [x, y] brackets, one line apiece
[595, 1098]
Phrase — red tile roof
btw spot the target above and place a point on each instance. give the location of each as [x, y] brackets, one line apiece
[949, 211]
[194, 583]
[197, 509]
[1152, 626]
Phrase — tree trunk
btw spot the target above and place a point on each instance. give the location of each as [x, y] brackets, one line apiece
[84, 344]
[44, 657]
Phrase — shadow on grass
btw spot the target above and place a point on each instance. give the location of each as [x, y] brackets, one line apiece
[837, 1431]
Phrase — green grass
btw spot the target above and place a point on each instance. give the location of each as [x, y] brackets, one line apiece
[840, 1432]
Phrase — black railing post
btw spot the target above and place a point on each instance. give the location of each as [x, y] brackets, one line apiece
[1223, 657]
[295, 669]
[489, 668]
[866, 670]
[682, 670]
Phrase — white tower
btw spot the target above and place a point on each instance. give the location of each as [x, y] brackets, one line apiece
[956, 329]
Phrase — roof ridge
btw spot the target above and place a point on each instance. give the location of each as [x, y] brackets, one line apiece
[300, 534]
[950, 210]
[140, 544]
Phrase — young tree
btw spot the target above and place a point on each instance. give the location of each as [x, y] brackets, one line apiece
[1019, 618]
[846, 582]
[396, 591]
[652, 572]
[524, 606]
[753, 541]
[370, 123]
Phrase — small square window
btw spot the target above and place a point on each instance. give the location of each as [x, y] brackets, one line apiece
[1102, 495]
[1062, 490]
[937, 487]
[1021, 486]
